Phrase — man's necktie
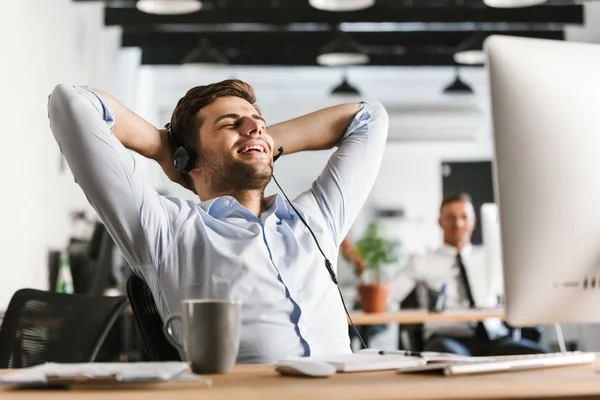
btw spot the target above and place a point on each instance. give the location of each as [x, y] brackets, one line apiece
[464, 279]
[480, 331]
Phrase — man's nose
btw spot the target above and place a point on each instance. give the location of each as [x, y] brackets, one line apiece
[253, 127]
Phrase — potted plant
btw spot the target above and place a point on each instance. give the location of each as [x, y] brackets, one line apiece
[375, 251]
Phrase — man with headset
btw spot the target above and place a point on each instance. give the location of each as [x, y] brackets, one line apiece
[237, 244]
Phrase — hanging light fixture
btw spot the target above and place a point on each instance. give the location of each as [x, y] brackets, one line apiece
[168, 7]
[512, 3]
[341, 5]
[470, 51]
[204, 54]
[342, 51]
[458, 86]
[345, 88]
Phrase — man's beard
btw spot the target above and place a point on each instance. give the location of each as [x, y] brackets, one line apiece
[231, 175]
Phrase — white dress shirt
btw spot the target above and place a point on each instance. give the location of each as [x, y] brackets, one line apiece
[218, 249]
[440, 267]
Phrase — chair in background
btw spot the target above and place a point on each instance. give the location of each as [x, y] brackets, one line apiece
[149, 322]
[411, 336]
[92, 264]
[42, 326]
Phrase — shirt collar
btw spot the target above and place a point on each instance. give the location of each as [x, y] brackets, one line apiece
[451, 250]
[281, 208]
[219, 206]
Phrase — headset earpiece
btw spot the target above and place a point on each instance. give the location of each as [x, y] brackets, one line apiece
[184, 159]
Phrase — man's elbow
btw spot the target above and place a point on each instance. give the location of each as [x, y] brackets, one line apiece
[380, 113]
[60, 95]
[64, 96]
[59, 101]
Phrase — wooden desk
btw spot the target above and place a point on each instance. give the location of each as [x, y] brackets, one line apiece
[261, 382]
[421, 317]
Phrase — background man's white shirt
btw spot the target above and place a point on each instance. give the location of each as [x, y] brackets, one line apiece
[439, 267]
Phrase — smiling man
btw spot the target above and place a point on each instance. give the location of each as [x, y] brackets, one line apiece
[236, 243]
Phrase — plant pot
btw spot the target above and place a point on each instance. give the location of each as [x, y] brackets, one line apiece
[373, 298]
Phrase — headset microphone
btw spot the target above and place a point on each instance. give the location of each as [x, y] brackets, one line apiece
[280, 152]
[327, 262]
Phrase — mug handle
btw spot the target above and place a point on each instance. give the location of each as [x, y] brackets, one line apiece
[168, 332]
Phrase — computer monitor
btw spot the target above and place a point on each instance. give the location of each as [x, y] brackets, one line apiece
[545, 98]
[490, 231]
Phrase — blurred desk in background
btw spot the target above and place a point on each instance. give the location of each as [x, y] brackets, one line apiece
[422, 316]
[364, 321]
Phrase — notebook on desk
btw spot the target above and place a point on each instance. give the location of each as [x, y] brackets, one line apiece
[67, 374]
[429, 357]
[362, 362]
[480, 365]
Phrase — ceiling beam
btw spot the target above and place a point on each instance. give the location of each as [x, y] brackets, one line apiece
[314, 40]
[297, 11]
[254, 52]
[173, 56]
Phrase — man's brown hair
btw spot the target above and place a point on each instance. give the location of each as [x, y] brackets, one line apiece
[185, 121]
[464, 197]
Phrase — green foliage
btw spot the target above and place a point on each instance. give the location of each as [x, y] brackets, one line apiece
[376, 251]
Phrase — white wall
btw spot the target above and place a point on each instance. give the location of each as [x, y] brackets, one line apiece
[42, 43]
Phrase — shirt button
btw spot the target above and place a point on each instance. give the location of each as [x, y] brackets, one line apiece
[226, 202]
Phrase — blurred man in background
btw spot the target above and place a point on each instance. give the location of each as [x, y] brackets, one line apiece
[457, 273]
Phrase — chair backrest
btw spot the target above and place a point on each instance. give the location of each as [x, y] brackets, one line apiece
[411, 336]
[92, 262]
[42, 326]
[149, 322]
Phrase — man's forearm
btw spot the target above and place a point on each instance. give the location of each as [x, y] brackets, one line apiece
[137, 134]
[134, 132]
[319, 130]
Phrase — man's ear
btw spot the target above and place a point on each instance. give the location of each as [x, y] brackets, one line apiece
[440, 222]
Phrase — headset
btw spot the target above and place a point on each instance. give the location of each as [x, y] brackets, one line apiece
[184, 160]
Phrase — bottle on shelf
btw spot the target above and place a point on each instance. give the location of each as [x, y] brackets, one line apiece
[64, 283]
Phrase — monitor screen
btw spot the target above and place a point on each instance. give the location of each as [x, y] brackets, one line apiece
[545, 98]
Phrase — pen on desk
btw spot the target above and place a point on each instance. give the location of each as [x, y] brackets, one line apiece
[400, 353]
[423, 354]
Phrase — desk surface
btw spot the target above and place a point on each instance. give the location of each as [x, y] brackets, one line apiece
[420, 317]
[407, 316]
[261, 382]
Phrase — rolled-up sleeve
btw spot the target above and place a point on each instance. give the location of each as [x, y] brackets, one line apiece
[135, 215]
[344, 185]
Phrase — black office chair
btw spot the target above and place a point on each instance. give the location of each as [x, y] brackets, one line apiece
[411, 336]
[149, 322]
[92, 262]
[42, 326]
